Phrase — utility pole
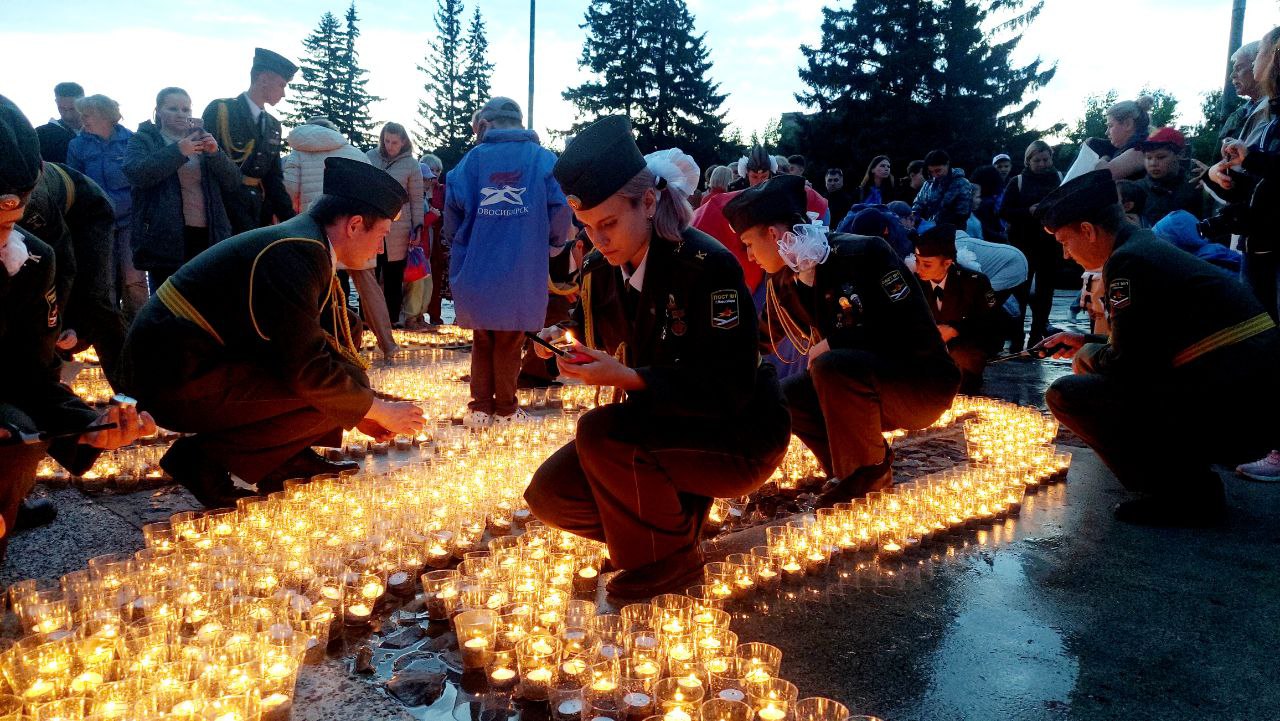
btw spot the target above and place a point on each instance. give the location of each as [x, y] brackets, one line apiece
[533, 14]
[1237, 39]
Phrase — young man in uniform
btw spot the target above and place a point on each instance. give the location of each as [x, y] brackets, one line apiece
[876, 360]
[31, 398]
[963, 304]
[250, 346]
[1187, 342]
[251, 137]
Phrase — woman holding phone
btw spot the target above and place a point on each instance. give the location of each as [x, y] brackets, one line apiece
[178, 174]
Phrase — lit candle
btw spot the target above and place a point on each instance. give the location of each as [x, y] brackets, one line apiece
[502, 678]
[677, 714]
[772, 713]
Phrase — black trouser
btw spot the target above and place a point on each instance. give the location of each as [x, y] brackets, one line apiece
[194, 242]
[971, 358]
[495, 367]
[643, 484]
[847, 398]
[439, 279]
[392, 274]
[1162, 437]
[1042, 262]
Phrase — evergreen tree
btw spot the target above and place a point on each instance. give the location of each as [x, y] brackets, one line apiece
[445, 124]
[1204, 142]
[353, 101]
[901, 77]
[652, 66]
[316, 92]
[478, 76]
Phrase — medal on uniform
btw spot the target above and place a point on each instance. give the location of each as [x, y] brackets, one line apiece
[678, 325]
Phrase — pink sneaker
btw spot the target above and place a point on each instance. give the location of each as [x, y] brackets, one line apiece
[1266, 470]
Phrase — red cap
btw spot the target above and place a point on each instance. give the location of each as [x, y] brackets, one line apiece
[1164, 138]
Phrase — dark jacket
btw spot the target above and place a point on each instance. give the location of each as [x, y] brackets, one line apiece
[255, 148]
[29, 389]
[1256, 186]
[54, 137]
[948, 199]
[968, 304]
[1023, 191]
[864, 298]
[693, 334]
[1169, 194]
[152, 166]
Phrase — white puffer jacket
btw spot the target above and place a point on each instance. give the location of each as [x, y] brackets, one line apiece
[304, 167]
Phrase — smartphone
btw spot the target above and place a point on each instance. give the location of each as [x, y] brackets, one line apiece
[565, 354]
[196, 125]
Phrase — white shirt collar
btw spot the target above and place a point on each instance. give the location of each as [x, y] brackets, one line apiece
[254, 110]
[14, 254]
[636, 279]
[940, 283]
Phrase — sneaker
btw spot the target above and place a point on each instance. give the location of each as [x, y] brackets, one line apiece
[1265, 470]
[477, 419]
[518, 417]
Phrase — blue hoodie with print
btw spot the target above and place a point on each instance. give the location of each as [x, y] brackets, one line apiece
[503, 210]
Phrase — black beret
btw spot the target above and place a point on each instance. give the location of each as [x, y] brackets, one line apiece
[356, 180]
[937, 242]
[600, 160]
[19, 151]
[1078, 199]
[780, 199]
[264, 59]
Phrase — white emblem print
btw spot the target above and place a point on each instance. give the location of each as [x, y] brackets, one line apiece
[505, 194]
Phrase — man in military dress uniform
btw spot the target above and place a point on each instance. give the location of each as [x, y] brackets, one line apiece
[1161, 397]
[252, 137]
[663, 315]
[876, 359]
[232, 347]
[963, 304]
[31, 398]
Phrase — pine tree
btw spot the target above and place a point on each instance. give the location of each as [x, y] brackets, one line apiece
[651, 66]
[445, 124]
[352, 113]
[901, 77]
[320, 70]
[478, 76]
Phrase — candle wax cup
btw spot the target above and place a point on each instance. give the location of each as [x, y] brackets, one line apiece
[569, 707]
[635, 699]
[732, 694]
[677, 714]
[772, 713]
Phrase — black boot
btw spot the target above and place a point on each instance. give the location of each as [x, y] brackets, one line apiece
[211, 485]
[307, 464]
[1199, 508]
[673, 574]
[35, 512]
[859, 483]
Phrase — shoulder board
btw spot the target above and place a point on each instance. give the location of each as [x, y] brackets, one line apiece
[846, 244]
[593, 261]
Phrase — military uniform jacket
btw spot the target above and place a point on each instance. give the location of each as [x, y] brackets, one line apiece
[967, 303]
[254, 146]
[29, 326]
[692, 336]
[262, 294]
[1173, 314]
[862, 297]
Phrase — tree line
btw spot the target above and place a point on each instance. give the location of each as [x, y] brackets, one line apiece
[895, 77]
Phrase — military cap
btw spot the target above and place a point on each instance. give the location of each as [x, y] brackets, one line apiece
[600, 160]
[1077, 200]
[781, 199]
[937, 242]
[264, 59]
[356, 180]
[19, 156]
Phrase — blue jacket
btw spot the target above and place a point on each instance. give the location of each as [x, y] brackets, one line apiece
[503, 210]
[103, 161]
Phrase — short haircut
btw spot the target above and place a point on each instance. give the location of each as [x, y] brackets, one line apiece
[68, 90]
[721, 177]
[934, 158]
[1248, 50]
[784, 165]
[1108, 217]
[914, 167]
[99, 105]
[1131, 191]
[835, 171]
[329, 208]
[797, 160]
[433, 161]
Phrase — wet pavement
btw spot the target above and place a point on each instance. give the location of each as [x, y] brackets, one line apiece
[1062, 613]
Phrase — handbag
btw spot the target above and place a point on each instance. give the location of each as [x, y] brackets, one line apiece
[415, 266]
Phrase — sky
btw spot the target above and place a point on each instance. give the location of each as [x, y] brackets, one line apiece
[129, 50]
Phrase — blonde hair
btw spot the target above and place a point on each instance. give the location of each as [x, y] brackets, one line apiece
[721, 177]
[99, 105]
[1036, 146]
[1271, 44]
[1136, 110]
[673, 213]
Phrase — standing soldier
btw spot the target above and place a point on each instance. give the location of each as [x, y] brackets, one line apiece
[252, 137]
[1188, 341]
[876, 360]
[664, 316]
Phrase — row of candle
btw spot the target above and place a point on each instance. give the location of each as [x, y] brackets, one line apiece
[442, 336]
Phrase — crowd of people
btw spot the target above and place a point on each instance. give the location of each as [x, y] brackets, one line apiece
[213, 274]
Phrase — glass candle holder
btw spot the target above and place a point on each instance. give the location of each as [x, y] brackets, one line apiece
[727, 677]
[772, 698]
[567, 704]
[677, 701]
[612, 630]
[763, 660]
[537, 658]
[441, 591]
[816, 708]
[501, 671]
[719, 709]
[361, 592]
[477, 636]
[719, 578]
[66, 709]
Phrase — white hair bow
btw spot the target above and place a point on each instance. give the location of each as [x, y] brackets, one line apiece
[742, 166]
[805, 247]
[673, 166]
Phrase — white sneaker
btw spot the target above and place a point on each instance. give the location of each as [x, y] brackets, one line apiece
[477, 419]
[518, 417]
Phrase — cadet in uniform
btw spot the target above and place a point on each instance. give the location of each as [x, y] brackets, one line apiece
[963, 304]
[663, 315]
[876, 360]
[232, 347]
[31, 398]
[251, 137]
[1161, 397]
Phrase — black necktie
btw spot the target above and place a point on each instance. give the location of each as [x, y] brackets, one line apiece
[937, 295]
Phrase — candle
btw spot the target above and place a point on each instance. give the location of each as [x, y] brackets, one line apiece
[276, 707]
[476, 652]
[586, 580]
[86, 682]
[569, 708]
[772, 713]
[732, 694]
[677, 714]
[502, 678]
[535, 684]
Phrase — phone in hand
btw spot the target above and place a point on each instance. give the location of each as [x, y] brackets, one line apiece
[566, 354]
[195, 125]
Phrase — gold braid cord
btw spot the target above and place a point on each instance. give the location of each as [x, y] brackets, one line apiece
[224, 139]
[345, 345]
[589, 336]
[801, 340]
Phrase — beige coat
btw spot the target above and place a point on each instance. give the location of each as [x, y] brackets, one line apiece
[304, 167]
[406, 170]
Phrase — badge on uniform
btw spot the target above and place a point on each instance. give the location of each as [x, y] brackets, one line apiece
[991, 299]
[895, 286]
[675, 317]
[724, 309]
[1119, 293]
[51, 298]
